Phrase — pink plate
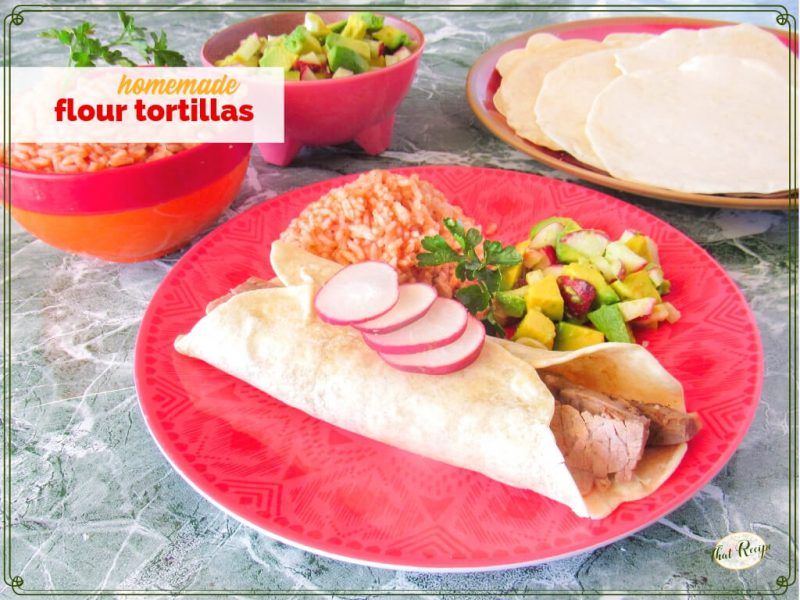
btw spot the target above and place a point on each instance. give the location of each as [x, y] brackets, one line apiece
[335, 493]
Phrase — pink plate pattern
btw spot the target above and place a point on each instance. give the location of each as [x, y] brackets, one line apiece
[336, 493]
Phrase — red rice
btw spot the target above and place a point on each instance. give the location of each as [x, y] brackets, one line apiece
[86, 158]
[379, 216]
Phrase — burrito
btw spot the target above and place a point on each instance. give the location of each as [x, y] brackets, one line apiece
[498, 416]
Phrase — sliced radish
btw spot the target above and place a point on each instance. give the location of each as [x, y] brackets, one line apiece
[547, 236]
[550, 254]
[444, 322]
[357, 293]
[589, 242]
[446, 359]
[413, 302]
[637, 309]
[629, 259]
[612, 270]
[656, 274]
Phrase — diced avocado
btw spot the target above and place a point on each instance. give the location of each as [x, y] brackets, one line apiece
[360, 47]
[509, 276]
[278, 56]
[337, 26]
[569, 225]
[342, 72]
[636, 285]
[316, 25]
[537, 326]
[609, 320]
[644, 246]
[343, 57]
[545, 296]
[355, 28]
[373, 21]
[291, 76]
[246, 54]
[572, 337]
[274, 40]
[234, 59]
[391, 37]
[512, 304]
[312, 58]
[638, 243]
[375, 49]
[606, 294]
[301, 41]
[249, 46]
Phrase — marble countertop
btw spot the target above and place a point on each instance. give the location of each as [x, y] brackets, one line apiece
[95, 505]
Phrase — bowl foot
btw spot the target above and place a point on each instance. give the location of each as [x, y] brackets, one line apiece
[377, 138]
[280, 154]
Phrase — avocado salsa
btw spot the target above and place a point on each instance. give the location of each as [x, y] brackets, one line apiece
[318, 50]
[563, 288]
[577, 287]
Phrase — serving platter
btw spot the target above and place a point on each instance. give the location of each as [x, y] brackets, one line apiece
[483, 81]
[335, 493]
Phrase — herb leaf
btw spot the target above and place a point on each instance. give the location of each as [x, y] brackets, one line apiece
[474, 297]
[480, 262]
[456, 229]
[86, 50]
[439, 252]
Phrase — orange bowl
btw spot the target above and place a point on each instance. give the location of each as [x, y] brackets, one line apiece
[131, 213]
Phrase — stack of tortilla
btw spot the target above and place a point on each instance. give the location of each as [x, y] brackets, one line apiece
[702, 111]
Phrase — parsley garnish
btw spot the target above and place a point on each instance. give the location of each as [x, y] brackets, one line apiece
[85, 50]
[482, 268]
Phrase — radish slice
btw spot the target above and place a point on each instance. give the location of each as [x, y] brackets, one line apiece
[444, 322]
[414, 301]
[357, 293]
[447, 359]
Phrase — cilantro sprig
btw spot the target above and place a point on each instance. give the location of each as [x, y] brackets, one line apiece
[86, 50]
[482, 267]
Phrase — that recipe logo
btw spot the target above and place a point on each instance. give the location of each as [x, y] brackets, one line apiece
[740, 550]
[151, 105]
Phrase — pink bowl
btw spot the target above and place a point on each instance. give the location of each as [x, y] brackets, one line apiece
[131, 213]
[360, 108]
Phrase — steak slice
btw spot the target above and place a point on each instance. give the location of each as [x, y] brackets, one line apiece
[251, 284]
[598, 447]
[667, 425]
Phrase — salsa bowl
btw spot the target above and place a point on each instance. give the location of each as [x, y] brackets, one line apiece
[360, 108]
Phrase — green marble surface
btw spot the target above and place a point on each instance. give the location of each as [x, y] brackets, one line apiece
[95, 505]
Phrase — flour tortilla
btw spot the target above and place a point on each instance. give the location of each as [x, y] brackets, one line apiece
[511, 59]
[535, 43]
[492, 417]
[714, 124]
[519, 90]
[569, 90]
[676, 46]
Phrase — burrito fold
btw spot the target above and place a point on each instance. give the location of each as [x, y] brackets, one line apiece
[496, 417]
